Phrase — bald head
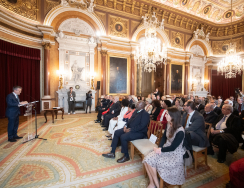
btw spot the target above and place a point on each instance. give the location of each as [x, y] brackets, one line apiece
[140, 105]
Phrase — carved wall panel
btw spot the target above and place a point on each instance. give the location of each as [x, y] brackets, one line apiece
[220, 47]
[118, 26]
[51, 4]
[134, 25]
[102, 16]
[26, 8]
[177, 39]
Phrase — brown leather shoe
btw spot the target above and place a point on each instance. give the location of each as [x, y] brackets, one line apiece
[109, 155]
[123, 159]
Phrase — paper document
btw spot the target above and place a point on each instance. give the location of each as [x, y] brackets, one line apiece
[153, 138]
[56, 107]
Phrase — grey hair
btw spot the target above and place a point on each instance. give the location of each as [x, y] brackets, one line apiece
[229, 102]
[16, 87]
[116, 98]
[149, 100]
[229, 107]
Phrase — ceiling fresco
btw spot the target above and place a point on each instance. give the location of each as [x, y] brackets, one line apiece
[218, 11]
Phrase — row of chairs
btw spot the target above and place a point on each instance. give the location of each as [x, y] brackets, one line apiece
[145, 146]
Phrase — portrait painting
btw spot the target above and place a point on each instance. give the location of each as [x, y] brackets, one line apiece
[176, 78]
[206, 10]
[228, 15]
[118, 75]
[184, 2]
[225, 48]
[119, 27]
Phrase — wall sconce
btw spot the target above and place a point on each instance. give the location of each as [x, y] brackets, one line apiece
[206, 82]
[92, 74]
[60, 74]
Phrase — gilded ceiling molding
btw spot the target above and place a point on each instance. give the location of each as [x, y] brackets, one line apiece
[162, 33]
[59, 10]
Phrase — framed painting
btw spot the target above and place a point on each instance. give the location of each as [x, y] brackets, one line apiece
[176, 79]
[118, 75]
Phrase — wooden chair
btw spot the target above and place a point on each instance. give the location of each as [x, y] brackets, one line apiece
[144, 146]
[197, 149]
[161, 184]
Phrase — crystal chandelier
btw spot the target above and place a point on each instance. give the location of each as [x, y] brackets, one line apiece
[150, 53]
[232, 64]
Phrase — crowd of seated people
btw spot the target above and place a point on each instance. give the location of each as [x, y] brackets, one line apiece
[128, 120]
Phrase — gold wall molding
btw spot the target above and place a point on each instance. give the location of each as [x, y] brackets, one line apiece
[220, 47]
[26, 8]
[177, 40]
[118, 26]
[102, 17]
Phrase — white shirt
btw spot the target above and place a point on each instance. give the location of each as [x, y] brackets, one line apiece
[189, 118]
[223, 125]
[15, 95]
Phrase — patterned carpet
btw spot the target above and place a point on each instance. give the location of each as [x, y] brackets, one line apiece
[71, 157]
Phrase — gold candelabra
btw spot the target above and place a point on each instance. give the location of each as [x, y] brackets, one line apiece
[92, 83]
[61, 82]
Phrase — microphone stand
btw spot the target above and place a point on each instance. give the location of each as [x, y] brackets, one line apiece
[36, 136]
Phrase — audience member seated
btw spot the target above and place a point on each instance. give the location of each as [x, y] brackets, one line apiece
[239, 105]
[115, 120]
[153, 97]
[177, 105]
[217, 110]
[121, 123]
[193, 122]
[136, 128]
[162, 115]
[209, 115]
[235, 111]
[173, 99]
[163, 98]
[158, 97]
[233, 100]
[104, 108]
[143, 99]
[130, 99]
[167, 160]
[219, 103]
[114, 111]
[156, 109]
[157, 93]
[226, 133]
[148, 106]
[199, 105]
[134, 99]
[139, 98]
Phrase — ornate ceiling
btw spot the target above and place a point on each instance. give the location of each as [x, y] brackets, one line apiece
[218, 11]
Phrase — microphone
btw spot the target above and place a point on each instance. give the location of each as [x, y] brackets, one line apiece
[32, 99]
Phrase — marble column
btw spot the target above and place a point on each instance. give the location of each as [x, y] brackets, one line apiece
[103, 72]
[167, 78]
[46, 99]
[210, 78]
[132, 77]
[186, 88]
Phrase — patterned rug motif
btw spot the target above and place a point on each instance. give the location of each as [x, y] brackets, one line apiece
[71, 157]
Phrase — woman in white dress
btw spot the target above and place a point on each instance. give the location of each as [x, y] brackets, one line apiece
[167, 160]
[127, 116]
[114, 121]
[148, 106]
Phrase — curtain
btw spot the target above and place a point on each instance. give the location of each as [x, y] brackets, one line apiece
[225, 86]
[19, 65]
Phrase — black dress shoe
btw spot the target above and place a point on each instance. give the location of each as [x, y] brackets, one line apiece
[97, 121]
[110, 139]
[105, 129]
[109, 155]
[211, 152]
[18, 137]
[123, 159]
[108, 136]
[220, 161]
[12, 140]
[103, 126]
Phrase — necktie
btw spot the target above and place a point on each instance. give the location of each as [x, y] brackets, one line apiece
[220, 122]
[186, 120]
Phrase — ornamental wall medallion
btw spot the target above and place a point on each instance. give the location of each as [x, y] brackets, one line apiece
[177, 40]
[184, 2]
[26, 8]
[207, 9]
[118, 27]
[227, 15]
[220, 47]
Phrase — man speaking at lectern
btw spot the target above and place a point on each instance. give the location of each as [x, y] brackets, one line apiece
[13, 112]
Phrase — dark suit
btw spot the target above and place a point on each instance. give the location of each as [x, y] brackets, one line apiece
[200, 107]
[116, 107]
[12, 113]
[211, 117]
[71, 103]
[138, 130]
[224, 140]
[158, 93]
[196, 129]
[217, 110]
[237, 107]
[101, 110]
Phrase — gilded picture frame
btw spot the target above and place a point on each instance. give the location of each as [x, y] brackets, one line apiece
[109, 91]
[177, 82]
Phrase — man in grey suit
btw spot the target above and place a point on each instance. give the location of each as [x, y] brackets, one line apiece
[193, 122]
[71, 100]
[239, 105]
